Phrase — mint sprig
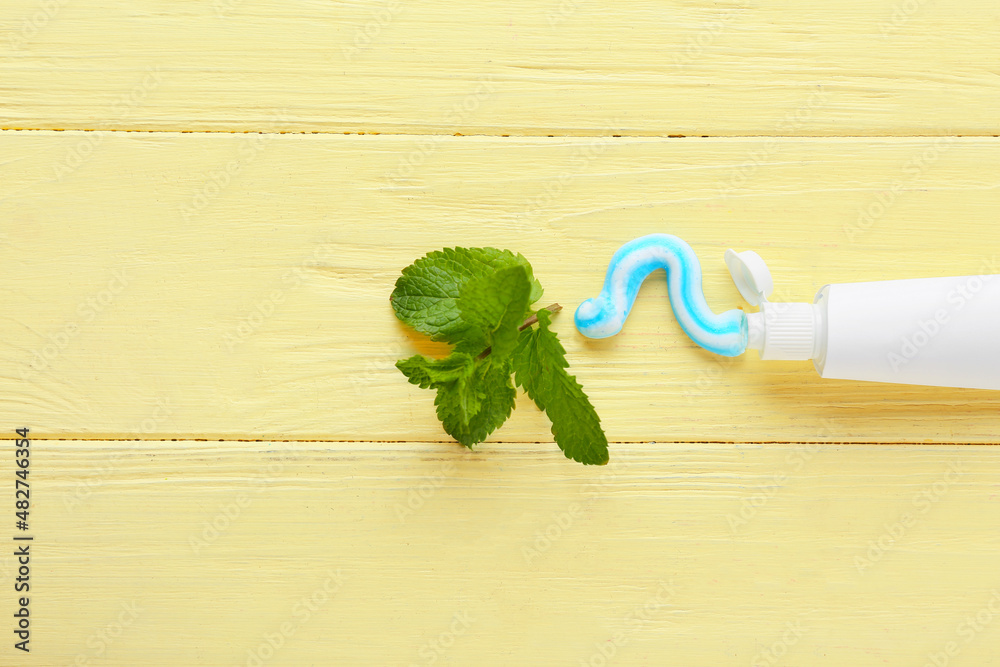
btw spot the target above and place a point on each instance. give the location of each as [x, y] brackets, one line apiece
[479, 300]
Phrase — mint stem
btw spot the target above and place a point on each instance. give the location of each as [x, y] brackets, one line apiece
[553, 308]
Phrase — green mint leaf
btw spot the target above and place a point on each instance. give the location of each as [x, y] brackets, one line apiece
[536, 287]
[474, 397]
[494, 307]
[459, 398]
[432, 373]
[539, 363]
[495, 394]
[426, 294]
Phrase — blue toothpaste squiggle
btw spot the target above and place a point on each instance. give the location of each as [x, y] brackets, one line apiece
[604, 316]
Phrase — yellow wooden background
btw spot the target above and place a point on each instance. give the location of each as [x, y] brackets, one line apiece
[204, 207]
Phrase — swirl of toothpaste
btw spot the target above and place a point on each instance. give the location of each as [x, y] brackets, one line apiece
[604, 316]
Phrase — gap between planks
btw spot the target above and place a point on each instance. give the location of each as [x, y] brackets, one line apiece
[518, 136]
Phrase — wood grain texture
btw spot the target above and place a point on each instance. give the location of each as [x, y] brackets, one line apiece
[366, 553]
[558, 67]
[228, 469]
[150, 292]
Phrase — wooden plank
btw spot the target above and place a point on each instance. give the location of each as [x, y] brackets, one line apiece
[700, 67]
[150, 292]
[166, 553]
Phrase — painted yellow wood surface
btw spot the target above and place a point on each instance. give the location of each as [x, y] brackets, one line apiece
[151, 293]
[228, 470]
[645, 67]
[168, 553]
